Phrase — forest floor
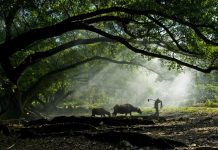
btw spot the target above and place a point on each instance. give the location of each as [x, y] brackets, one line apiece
[194, 130]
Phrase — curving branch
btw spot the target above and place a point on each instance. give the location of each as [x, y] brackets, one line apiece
[139, 12]
[136, 50]
[36, 57]
[172, 37]
[203, 37]
[73, 23]
[29, 93]
[12, 46]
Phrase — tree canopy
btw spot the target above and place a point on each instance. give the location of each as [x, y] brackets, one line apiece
[42, 38]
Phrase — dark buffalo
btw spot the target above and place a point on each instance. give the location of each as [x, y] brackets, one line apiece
[125, 109]
[100, 111]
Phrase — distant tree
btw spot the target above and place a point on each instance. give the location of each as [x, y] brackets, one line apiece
[206, 87]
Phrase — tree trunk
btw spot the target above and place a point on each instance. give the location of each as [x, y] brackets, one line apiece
[14, 107]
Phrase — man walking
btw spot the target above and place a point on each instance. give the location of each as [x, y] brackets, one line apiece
[156, 106]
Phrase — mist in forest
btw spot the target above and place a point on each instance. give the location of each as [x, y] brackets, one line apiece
[126, 85]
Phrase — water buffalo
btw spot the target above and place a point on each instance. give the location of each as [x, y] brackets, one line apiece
[100, 111]
[125, 109]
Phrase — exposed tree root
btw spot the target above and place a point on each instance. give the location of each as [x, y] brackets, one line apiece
[136, 139]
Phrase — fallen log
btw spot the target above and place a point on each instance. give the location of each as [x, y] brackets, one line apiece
[94, 121]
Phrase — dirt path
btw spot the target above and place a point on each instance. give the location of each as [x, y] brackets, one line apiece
[195, 131]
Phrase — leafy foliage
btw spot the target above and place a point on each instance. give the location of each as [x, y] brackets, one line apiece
[207, 87]
[42, 40]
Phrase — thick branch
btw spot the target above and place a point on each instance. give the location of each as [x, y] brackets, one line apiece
[139, 12]
[20, 42]
[34, 58]
[73, 23]
[136, 50]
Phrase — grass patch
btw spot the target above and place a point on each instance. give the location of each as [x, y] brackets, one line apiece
[169, 110]
[148, 111]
